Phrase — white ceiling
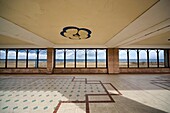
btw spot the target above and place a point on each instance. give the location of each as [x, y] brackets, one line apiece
[114, 23]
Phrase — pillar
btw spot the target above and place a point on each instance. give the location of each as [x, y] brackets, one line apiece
[167, 58]
[50, 60]
[113, 60]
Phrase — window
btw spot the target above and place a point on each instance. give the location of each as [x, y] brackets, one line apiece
[70, 58]
[101, 57]
[22, 57]
[161, 58]
[123, 58]
[152, 58]
[143, 58]
[2, 58]
[91, 58]
[139, 58]
[42, 60]
[133, 58]
[80, 58]
[32, 59]
[11, 58]
[59, 58]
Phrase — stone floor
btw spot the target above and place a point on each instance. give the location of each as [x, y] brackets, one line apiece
[140, 93]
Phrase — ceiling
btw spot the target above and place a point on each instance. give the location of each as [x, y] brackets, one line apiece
[113, 23]
[6, 40]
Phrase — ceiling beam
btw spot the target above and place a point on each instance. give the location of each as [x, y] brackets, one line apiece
[156, 17]
[156, 30]
[145, 46]
[10, 29]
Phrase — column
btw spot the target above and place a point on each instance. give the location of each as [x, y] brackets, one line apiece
[113, 60]
[167, 58]
[50, 60]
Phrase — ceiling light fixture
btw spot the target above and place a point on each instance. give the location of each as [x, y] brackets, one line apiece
[76, 33]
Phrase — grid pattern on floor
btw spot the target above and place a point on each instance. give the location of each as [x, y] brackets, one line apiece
[44, 94]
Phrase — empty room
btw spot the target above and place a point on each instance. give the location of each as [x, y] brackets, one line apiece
[84, 56]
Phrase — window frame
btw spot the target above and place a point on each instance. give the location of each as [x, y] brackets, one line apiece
[25, 58]
[38, 56]
[75, 59]
[5, 58]
[16, 64]
[147, 53]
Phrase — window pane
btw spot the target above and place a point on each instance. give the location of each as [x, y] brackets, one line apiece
[32, 58]
[152, 58]
[143, 58]
[22, 56]
[132, 58]
[59, 58]
[161, 58]
[80, 57]
[122, 58]
[11, 59]
[101, 57]
[42, 58]
[2, 58]
[70, 58]
[91, 58]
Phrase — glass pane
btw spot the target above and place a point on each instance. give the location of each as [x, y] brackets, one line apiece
[80, 58]
[101, 57]
[152, 58]
[32, 58]
[143, 58]
[11, 59]
[70, 58]
[59, 58]
[2, 58]
[91, 58]
[133, 58]
[42, 58]
[22, 56]
[122, 58]
[161, 58]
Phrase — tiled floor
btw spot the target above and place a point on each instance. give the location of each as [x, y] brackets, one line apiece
[85, 93]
